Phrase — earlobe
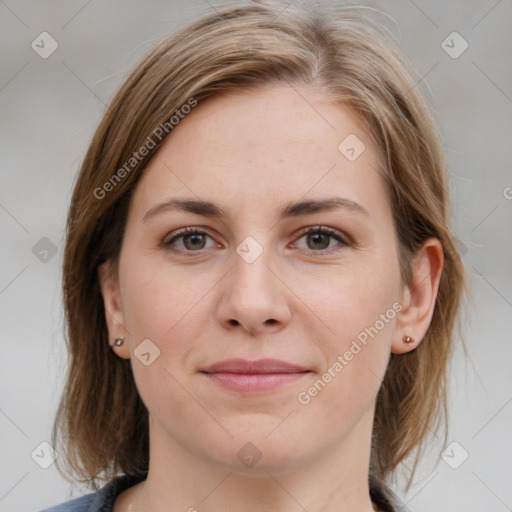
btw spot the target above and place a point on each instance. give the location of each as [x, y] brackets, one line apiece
[419, 298]
[114, 315]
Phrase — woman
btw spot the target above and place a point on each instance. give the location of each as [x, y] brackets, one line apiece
[260, 279]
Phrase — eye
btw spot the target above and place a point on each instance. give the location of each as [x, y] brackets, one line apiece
[187, 240]
[320, 238]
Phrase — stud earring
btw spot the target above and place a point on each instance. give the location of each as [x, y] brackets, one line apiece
[407, 339]
[118, 342]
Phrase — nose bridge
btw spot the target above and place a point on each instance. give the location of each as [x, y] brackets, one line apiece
[253, 256]
[252, 297]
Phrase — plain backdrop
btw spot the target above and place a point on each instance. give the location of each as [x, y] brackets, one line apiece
[49, 109]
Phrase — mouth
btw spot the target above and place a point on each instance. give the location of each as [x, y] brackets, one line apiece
[252, 377]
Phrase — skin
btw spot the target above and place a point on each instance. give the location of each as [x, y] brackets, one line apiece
[303, 300]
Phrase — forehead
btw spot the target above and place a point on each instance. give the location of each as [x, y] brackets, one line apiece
[267, 146]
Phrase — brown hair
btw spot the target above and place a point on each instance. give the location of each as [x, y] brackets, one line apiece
[339, 51]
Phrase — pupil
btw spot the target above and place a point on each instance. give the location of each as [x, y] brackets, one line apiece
[317, 238]
[194, 238]
[197, 238]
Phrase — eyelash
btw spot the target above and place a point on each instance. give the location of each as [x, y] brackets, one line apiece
[305, 231]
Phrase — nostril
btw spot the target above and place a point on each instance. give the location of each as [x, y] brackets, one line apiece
[233, 322]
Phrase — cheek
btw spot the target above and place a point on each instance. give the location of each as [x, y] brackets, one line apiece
[164, 307]
[159, 300]
[360, 306]
[345, 301]
[169, 306]
[355, 363]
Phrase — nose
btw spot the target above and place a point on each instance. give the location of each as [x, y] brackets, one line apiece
[254, 297]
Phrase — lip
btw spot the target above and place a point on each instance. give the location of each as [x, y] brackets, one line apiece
[259, 366]
[249, 377]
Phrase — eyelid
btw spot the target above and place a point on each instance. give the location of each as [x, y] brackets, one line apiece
[189, 230]
[343, 240]
[179, 233]
[324, 229]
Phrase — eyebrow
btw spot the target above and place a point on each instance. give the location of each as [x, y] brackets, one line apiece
[294, 209]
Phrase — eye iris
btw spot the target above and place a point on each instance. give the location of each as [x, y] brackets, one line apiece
[317, 239]
[195, 237]
[196, 241]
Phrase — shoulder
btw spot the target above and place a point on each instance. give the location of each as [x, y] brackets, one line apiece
[82, 504]
[101, 500]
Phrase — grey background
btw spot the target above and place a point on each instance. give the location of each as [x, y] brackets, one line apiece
[49, 110]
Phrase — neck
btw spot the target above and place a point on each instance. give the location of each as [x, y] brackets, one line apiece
[334, 480]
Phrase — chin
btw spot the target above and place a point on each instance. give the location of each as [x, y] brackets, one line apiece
[254, 453]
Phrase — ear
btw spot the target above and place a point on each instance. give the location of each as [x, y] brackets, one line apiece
[114, 315]
[419, 297]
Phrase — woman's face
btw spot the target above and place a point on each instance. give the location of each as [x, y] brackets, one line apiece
[253, 284]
